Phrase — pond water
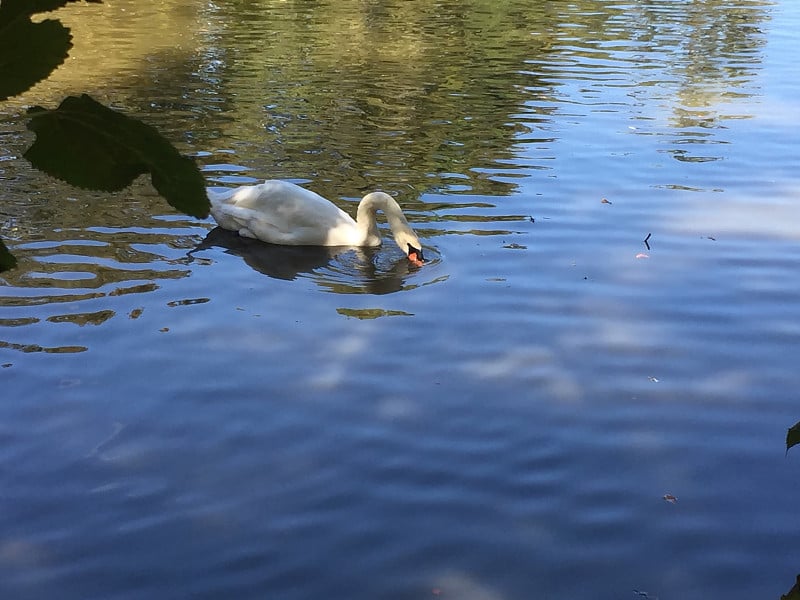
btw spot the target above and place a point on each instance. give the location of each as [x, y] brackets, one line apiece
[584, 393]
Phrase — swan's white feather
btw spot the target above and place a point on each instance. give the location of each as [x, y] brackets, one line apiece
[281, 212]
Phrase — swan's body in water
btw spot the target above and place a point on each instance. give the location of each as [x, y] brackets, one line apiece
[280, 212]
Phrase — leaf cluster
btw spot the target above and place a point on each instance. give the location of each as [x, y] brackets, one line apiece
[83, 142]
[793, 436]
[30, 51]
[91, 146]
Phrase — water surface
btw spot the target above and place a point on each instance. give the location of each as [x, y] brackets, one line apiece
[550, 406]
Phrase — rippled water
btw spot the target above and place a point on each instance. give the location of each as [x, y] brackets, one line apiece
[584, 393]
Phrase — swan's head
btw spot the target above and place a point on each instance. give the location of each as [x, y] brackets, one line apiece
[401, 230]
[410, 244]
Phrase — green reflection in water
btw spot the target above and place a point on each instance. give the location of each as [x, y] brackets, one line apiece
[434, 99]
[371, 313]
[28, 348]
[93, 318]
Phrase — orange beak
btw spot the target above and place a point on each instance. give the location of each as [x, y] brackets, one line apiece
[415, 256]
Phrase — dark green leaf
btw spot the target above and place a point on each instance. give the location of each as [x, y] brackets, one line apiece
[29, 52]
[7, 260]
[794, 593]
[793, 436]
[89, 145]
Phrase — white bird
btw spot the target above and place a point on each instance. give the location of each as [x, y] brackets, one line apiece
[280, 212]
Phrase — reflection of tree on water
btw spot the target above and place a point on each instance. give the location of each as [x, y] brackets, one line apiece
[409, 97]
[440, 95]
[78, 255]
[419, 96]
[402, 96]
[341, 270]
[713, 50]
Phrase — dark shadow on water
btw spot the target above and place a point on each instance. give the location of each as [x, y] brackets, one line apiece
[341, 270]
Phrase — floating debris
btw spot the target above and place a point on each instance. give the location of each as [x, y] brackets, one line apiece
[372, 313]
[188, 302]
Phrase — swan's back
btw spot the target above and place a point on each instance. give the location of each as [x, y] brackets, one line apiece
[283, 213]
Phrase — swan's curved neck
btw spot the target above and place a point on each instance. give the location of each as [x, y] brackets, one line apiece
[366, 220]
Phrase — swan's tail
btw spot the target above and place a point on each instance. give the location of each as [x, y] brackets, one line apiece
[220, 202]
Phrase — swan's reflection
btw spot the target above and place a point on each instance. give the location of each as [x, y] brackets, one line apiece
[341, 270]
[279, 262]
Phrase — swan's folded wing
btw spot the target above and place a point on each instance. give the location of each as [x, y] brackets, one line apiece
[283, 213]
[288, 223]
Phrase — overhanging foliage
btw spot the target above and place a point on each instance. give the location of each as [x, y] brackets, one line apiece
[83, 142]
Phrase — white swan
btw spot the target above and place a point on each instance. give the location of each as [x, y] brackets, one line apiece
[280, 212]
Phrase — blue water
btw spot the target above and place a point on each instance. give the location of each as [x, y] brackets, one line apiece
[551, 408]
